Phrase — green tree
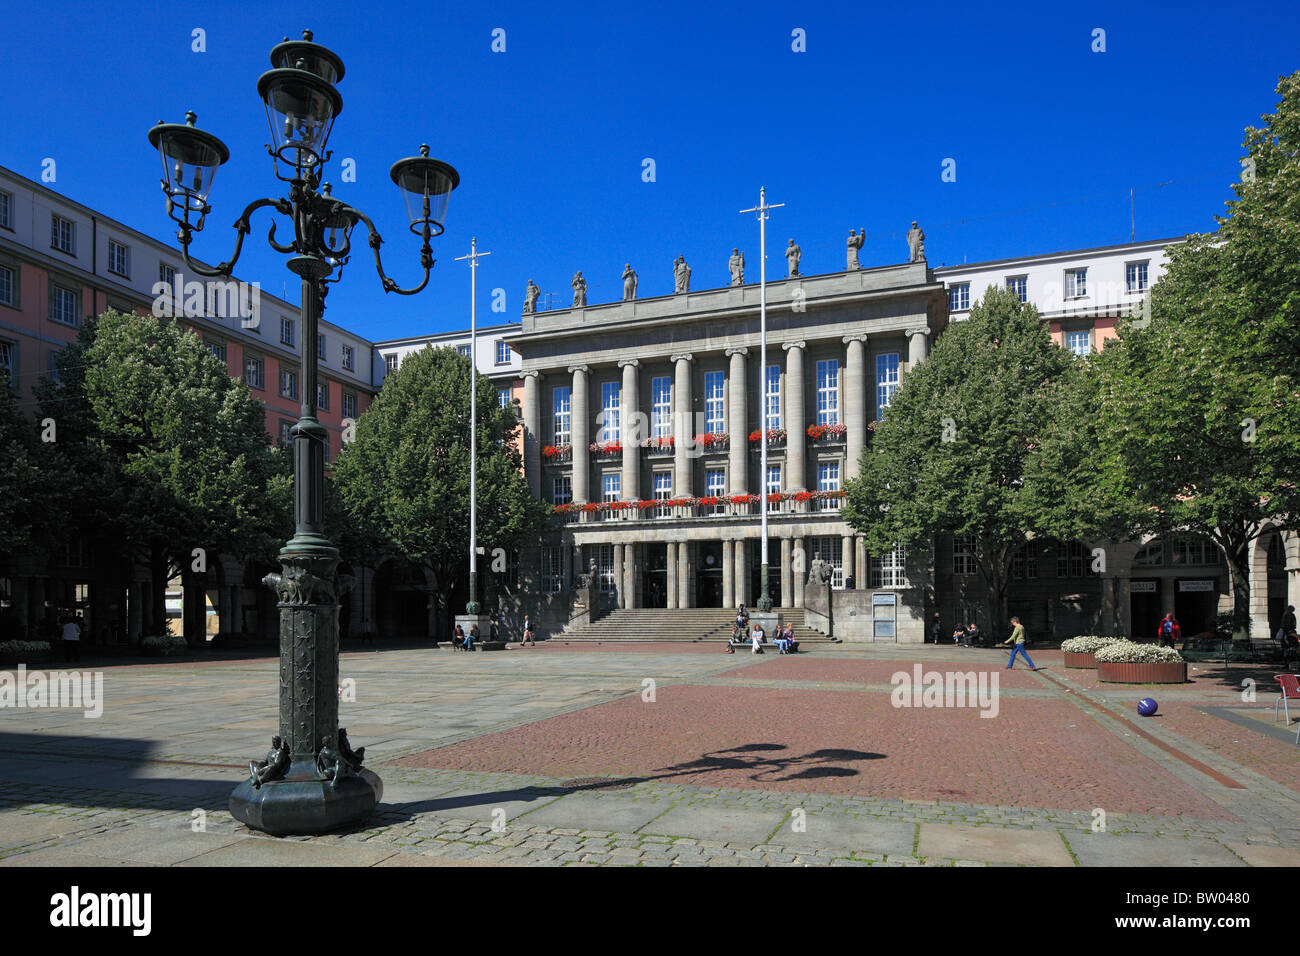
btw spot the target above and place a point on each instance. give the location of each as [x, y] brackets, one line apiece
[407, 475]
[154, 429]
[25, 516]
[949, 458]
[1199, 403]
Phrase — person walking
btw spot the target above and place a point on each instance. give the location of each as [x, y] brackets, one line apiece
[1017, 639]
[528, 631]
[936, 629]
[1165, 631]
[71, 641]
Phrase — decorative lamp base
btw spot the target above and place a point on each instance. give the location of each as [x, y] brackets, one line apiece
[301, 803]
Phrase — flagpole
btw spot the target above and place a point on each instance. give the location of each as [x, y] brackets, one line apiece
[764, 599]
[472, 606]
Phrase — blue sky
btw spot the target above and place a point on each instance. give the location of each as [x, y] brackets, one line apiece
[550, 136]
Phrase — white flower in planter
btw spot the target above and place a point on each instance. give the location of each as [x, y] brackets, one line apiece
[1087, 644]
[1127, 652]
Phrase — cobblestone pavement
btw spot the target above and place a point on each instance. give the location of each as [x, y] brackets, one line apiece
[738, 760]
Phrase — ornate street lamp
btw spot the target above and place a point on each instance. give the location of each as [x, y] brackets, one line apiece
[311, 781]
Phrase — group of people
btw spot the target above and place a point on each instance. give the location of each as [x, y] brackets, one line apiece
[968, 636]
[465, 642]
[757, 636]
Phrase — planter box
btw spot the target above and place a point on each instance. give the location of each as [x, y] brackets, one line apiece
[1166, 672]
[1080, 660]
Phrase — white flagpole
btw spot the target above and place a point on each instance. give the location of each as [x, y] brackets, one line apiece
[764, 599]
[472, 606]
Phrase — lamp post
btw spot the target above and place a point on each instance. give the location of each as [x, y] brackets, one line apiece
[311, 781]
[764, 598]
[472, 606]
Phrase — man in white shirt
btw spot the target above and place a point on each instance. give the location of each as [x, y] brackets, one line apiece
[71, 640]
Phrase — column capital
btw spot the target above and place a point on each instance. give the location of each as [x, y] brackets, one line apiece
[624, 363]
[683, 357]
[923, 330]
[856, 337]
[531, 373]
[739, 350]
[578, 368]
[794, 345]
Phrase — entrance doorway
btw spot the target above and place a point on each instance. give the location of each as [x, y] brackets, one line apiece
[654, 582]
[1144, 607]
[1195, 605]
[708, 579]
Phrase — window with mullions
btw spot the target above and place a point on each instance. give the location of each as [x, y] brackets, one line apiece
[1190, 549]
[320, 346]
[8, 287]
[1135, 277]
[390, 361]
[8, 360]
[611, 411]
[828, 479]
[503, 397]
[286, 330]
[772, 398]
[1020, 286]
[552, 571]
[349, 404]
[218, 350]
[1072, 561]
[254, 372]
[963, 554]
[323, 396]
[1078, 343]
[503, 352]
[959, 297]
[713, 404]
[63, 305]
[774, 486]
[663, 490]
[887, 570]
[349, 358]
[887, 380]
[286, 439]
[828, 393]
[1024, 562]
[1076, 283]
[62, 234]
[605, 567]
[561, 490]
[1152, 556]
[610, 486]
[661, 406]
[119, 259]
[829, 550]
[6, 209]
[562, 417]
[288, 384]
[715, 486]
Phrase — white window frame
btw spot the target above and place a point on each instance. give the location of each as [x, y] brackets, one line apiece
[57, 292]
[503, 352]
[323, 390]
[828, 393]
[889, 570]
[959, 297]
[661, 396]
[349, 404]
[964, 554]
[561, 490]
[167, 275]
[604, 555]
[503, 397]
[58, 234]
[119, 250]
[552, 570]
[6, 209]
[611, 411]
[7, 296]
[321, 346]
[715, 486]
[288, 383]
[348, 358]
[1076, 283]
[663, 491]
[562, 415]
[1071, 346]
[715, 415]
[888, 379]
[828, 479]
[392, 361]
[771, 399]
[258, 363]
[773, 485]
[287, 325]
[1130, 269]
[9, 359]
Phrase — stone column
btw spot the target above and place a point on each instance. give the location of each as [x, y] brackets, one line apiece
[728, 573]
[800, 575]
[918, 346]
[787, 585]
[795, 420]
[738, 458]
[855, 401]
[847, 554]
[670, 583]
[683, 426]
[742, 573]
[862, 562]
[620, 598]
[1292, 543]
[630, 436]
[533, 432]
[1258, 588]
[629, 577]
[683, 574]
[580, 421]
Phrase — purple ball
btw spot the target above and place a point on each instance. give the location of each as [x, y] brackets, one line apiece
[1147, 706]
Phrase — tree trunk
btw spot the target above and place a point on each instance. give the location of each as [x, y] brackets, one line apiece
[157, 590]
[1239, 579]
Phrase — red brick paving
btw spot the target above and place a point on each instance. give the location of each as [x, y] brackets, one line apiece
[1205, 679]
[858, 671]
[1276, 759]
[663, 647]
[1036, 753]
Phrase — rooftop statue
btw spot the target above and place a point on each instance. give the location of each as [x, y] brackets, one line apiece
[681, 276]
[915, 243]
[579, 290]
[629, 283]
[737, 266]
[792, 257]
[855, 244]
[530, 298]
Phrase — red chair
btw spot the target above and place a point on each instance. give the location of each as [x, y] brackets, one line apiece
[1290, 684]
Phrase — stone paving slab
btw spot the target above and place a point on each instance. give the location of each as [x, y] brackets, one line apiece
[589, 811]
[1256, 854]
[1035, 847]
[1104, 849]
[861, 834]
[731, 826]
[263, 852]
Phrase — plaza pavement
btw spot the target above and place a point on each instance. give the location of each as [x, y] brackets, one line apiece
[564, 754]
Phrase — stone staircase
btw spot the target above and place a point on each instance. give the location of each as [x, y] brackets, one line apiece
[687, 625]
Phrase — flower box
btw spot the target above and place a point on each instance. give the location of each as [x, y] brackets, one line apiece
[775, 436]
[658, 446]
[713, 441]
[605, 449]
[557, 453]
[1129, 672]
[827, 433]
